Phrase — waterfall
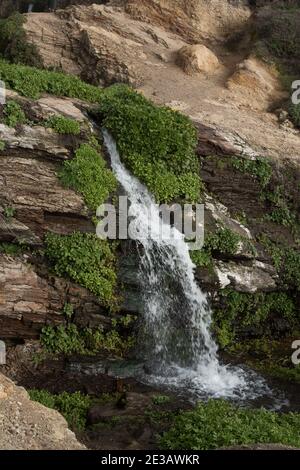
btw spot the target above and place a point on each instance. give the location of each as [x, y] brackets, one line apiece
[175, 338]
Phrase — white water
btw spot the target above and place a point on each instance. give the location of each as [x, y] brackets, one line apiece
[175, 339]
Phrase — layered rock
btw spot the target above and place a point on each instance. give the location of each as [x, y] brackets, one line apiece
[27, 425]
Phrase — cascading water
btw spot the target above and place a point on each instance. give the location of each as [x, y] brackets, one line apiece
[175, 338]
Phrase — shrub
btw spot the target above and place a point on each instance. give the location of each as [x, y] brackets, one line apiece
[241, 310]
[13, 114]
[219, 424]
[260, 169]
[73, 406]
[71, 340]
[13, 42]
[87, 173]
[32, 82]
[87, 260]
[63, 125]
[157, 144]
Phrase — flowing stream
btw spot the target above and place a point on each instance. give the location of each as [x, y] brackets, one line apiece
[175, 339]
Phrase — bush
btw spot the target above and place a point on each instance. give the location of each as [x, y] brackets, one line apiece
[88, 174]
[13, 42]
[32, 82]
[13, 114]
[73, 406]
[71, 340]
[63, 125]
[157, 144]
[218, 424]
[87, 260]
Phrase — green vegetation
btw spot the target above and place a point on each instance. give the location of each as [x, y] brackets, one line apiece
[157, 144]
[287, 262]
[260, 169]
[161, 399]
[11, 249]
[32, 82]
[2, 145]
[294, 111]
[63, 125]
[224, 241]
[13, 42]
[87, 260]
[219, 424]
[73, 406]
[69, 339]
[241, 310]
[281, 213]
[88, 174]
[9, 212]
[13, 114]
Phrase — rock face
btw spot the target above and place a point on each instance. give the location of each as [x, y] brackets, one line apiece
[27, 425]
[30, 296]
[196, 59]
[194, 20]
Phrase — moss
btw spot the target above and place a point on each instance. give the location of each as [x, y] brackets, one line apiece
[63, 125]
[69, 339]
[13, 42]
[32, 82]
[157, 144]
[218, 424]
[87, 260]
[88, 174]
[73, 406]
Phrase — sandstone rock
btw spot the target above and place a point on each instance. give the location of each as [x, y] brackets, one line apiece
[196, 59]
[31, 299]
[27, 425]
[255, 83]
[192, 19]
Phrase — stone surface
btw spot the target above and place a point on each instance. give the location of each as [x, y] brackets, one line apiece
[250, 278]
[27, 425]
[31, 298]
[197, 58]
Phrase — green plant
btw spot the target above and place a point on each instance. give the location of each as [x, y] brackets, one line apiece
[87, 260]
[13, 114]
[294, 111]
[73, 406]
[241, 310]
[69, 339]
[2, 145]
[32, 82]
[223, 241]
[161, 399]
[63, 125]
[218, 424]
[68, 310]
[11, 249]
[260, 169]
[9, 212]
[88, 174]
[13, 42]
[157, 144]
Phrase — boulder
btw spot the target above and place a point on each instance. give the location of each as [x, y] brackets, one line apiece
[27, 425]
[197, 58]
